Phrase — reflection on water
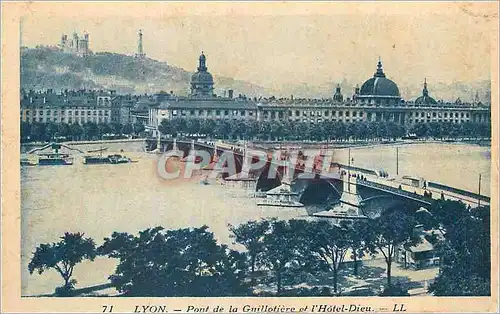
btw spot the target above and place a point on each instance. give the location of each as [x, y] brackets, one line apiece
[100, 199]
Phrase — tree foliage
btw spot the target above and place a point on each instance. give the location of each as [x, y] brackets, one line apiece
[389, 231]
[328, 243]
[251, 236]
[321, 131]
[282, 250]
[182, 262]
[465, 255]
[63, 256]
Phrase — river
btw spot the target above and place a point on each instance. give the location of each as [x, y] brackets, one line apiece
[100, 199]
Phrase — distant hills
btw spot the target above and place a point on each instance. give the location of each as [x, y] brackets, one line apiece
[46, 67]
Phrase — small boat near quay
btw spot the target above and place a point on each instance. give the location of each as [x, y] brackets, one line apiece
[110, 159]
[94, 159]
[54, 159]
[278, 203]
[28, 162]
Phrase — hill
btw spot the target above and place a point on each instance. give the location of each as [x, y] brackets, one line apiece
[46, 67]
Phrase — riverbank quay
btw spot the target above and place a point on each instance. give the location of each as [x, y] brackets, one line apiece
[362, 143]
[303, 144]
[127, 145]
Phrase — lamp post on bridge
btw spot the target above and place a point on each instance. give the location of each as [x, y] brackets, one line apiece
[397, 161]
[349, 170]
[479, 188]
[479, 192]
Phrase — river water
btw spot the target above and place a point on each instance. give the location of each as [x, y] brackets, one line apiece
[100, 199]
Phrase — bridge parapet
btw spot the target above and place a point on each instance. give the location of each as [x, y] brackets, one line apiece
[473, 195]
[396, 191]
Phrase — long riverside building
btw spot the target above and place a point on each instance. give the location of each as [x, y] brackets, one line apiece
[377, 100]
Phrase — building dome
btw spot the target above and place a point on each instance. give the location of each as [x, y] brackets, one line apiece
[425, 99]
[202, 82]
[202, 77]
[379, 85]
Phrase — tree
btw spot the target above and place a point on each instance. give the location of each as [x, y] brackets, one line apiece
[128, 129]
[207, 126]
[388, 232]
[447, 212]
[38, 131]
[138, 128]
[63, 256]
[251, 235]
[165, 127]
[280, 250]
[182, 262]
[222, 128]
[355, 233]
[90, 130]
[465, 259]
[50, 131]
[25, 131]
[329, 243]
[192, 126]
[76, 130]
[103, 128]
[63, 129]
[116, 128]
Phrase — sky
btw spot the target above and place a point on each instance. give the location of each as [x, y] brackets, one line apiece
[280, 44]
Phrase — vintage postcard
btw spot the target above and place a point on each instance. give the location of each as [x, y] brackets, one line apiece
[249, 157]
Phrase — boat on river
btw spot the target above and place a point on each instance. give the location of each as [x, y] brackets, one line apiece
[28, 162]
[110, 159]
[55, 159]
[94, 159]
[278, 203]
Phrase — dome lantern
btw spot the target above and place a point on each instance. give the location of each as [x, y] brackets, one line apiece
[380, 70]
[202, 66]
[425, 92]
[202, 82]
[425, 99]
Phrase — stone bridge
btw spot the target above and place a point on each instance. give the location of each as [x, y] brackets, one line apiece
[313, 187]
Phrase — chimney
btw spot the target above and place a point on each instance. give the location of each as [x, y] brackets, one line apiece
[230, 92]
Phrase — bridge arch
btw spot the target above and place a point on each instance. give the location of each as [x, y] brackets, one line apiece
[264, 183]
[375, 206]
[319, 191]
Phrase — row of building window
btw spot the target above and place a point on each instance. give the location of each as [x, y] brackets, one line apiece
[348, 117]
[438, 120]
[327, 113]
[241, 113]
[76, 113]
[69, 120]
[436, 114]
